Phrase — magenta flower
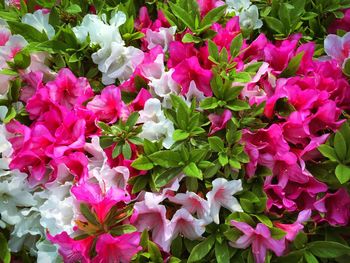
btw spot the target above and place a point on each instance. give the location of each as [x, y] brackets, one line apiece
[190, 69]
[335, 208]
[71, 250]
[341, 24]
[259, 238]
[108, 106]
[218, 122]
[68, 90]
[292, 230]
[179, 51]
[117, 249]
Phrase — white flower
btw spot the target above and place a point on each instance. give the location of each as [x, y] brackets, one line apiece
[156, 126]
[117, 61]
[47, 252]
[40, 21]
[237, 5]
[99, 31]
[162, 37]
[184, 223]
[222, 195]
[57, 211]
[249, 18]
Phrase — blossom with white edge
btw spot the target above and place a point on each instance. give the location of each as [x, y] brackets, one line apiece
[222, 195]
[162, 37]
[40, 21]
[185, 224]
[155, 125]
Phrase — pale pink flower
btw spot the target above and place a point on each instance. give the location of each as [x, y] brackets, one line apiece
[184, 223]
[338, 47]
[193, 203]
[222, 195]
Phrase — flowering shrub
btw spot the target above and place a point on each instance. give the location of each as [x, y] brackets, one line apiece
[175, 131]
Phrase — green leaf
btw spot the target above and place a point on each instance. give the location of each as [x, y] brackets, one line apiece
[264, 219]
[277, 233]
[11, 114]
[8, 72]
[132, 119]
[209, 103]
[346, 68]
[328, 249]
[28, 32]
[139, 183]
[166, 176]
[117, 150]
[216, 144]
[222, 254]
[166, 158]
[212, 16]
[236, 45]
[201, 250]
[153, 249]
[181, 14]
[106, 141]
[238, 105]
[309, 258]
[283, 108]
[223, 159]
[340, 146]
[180, 135]
[176, 246]
[103, 126]
[300, 240]
[22, 60]
[293, 66]
[189, 38]
[192, 170]
[126, 150]
[142, 163]
[122, 229]
[274, 24]
[5, 254]
[343, 173]
[73, 9]
[213, 50]
[328, 151]
[89, 216]
[46, 3]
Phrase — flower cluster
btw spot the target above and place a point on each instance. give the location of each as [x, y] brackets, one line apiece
[171, 131]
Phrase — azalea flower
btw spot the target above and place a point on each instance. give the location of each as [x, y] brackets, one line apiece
[40, 21]
[218, 122]
[222, 195]
[155, 125]
[161, 37]
[150, 215]
[193, 204]
[117, 61]
[338, 47]
[260, 239]
[99, 31]
[184, 223]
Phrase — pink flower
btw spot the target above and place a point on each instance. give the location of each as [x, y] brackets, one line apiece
[184, 223]
[206, 5]
[150, 215]
[189, 70]
[218, 122]
[336, 208]
[139, 102]
[69, 91]
[193, 204]
[108, 106]
[100, 202]
[34, 83]
[338, 47]
[72, 250]
[222, 195]
[179, 51]
[225, 35]
[341, 24]
[259, 238]
[292, 230]
[117, 249]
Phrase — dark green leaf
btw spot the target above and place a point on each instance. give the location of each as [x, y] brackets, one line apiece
[201, 250]
[27, 31]
[293, 66]
[216, 144]
[5, 254]
[236, 45]
[212, 16]
[328, 249]
[340, 146]
[89, 216]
